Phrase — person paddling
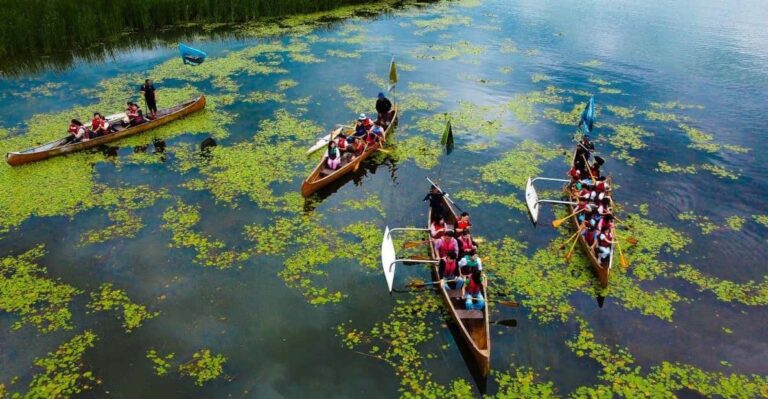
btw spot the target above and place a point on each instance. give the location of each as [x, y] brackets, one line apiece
[148, 91]
[77, 132]
[449, 272]
[447, 244]
[473, 291]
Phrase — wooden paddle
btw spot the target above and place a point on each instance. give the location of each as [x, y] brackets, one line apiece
[506, 322]
[589, 169]
[562, 246]
[414, 244]
[624, 263]
[558, 222]
[570, 251]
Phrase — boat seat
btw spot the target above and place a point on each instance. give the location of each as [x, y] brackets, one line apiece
[469, 314]
[327, 171]
[454, 293]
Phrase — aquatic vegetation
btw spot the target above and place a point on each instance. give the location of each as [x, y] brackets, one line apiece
[598, 81]
[160, 364]
[564, 118]
[674, 105]
[443, 22]
[720, 171]
[662, 116]
[64, 373]
[396, 341]
[608, 90]
[424, 152]
[699, 140]
[180, 220]
[703, 222]
[355, 100]
[664, 167]
[749, 293]
[467, 117]
[540, 77]
[735, 222]
[532, 52]
[121, 201]
[203, 366]
[261, 97]
[33, 297]
[506, 70]
[476, 198]
[517, 165]
[621, 376]
[522, 104]
[285, 84]
[108, 298]
[591, 63]
[761, 219]
[343, 54]
[462, 50]
[507, 46]
[625, 138]
[622, 112]
[521, 383]
[369, 201]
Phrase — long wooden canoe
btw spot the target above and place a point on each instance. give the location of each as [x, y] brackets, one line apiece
[472, 324]
[322, 176]
[57, 147]
[603, 271]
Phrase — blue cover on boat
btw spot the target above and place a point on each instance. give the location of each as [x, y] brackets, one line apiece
[191, 56]
[587, 120]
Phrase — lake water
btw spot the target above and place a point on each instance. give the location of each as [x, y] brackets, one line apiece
[289, 291]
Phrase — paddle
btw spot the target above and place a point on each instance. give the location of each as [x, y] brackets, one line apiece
[558, 222]
[414, 244]
[562, 246]
[570, 251]
[588, 168]
[446, 195]
[624, 263]
[506, 322]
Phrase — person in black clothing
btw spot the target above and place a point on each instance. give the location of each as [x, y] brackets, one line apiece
[435, 198]
[583, 154]
[148, 91]
[383, 106]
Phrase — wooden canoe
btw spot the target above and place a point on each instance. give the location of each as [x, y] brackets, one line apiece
[603, 272]
[55, 148]
[472, 324]
[322, 176]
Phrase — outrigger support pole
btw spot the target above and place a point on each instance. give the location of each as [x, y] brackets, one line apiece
[532, 198]
[389, 258]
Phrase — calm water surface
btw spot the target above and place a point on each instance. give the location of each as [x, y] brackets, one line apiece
[710, 54]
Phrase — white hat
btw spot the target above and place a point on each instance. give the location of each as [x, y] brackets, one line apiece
[361, 117]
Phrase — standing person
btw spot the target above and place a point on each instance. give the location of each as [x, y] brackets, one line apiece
[148, 91]
[435, 198]
[383, 106]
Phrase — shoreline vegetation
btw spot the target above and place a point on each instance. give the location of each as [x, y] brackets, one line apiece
[53, 34]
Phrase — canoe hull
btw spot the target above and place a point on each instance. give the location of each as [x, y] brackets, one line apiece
[27, 156]
[475, 333]
[315, 182]
[603, 273]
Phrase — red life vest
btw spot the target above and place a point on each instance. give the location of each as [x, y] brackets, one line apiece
[462, 224]
[73, 129]
[359, 149]
[600, 187]
[450, 267]
[95, 123]
[574, 173]
[466, 242]
[595, 172]
[370, 138]
[450, 246]
[473, 288]
[605, 242]
[342, 143]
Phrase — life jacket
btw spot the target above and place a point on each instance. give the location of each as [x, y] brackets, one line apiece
[370, 138]
[342, 143]
[595, 172]
[450, 267]
[581, 206]
[473, 288]
[604, 239]
[600, 187]
[367, 123]
[466, 242]
[95, 123]
[359, 149]
[462, 224]
[450, 246]
[73, 129]
[438, 230]
[574, 173]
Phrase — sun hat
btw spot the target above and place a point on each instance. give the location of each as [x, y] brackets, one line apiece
[361, 117]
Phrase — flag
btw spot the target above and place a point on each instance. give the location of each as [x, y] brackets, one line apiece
[447, 138]
[392, 74]
[587, 120]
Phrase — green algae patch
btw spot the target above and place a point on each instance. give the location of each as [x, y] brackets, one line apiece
[33, 297]
[355, 100]
[203, 367]
[506, 70]
[622, 376]
[702, 222]
[108, 298]
[532, 52]
[343, 54]
[180, 220]
[522, 105]
[462, 51]
[421, 150]
[591, 63]
[674, 105]
[121, 203]
[517, 165]
[508, 46]
[467, 117]
[369, 201]
[65, 375]
[662, 116]
[261, 97]
[449, 21]
[626, 138]
[622, 112]
[598, 81]
[522, 383]
[540, 77]
[285, 84]
[665, 167]
[161, 364]
[761, 219]
[749, 293]
[396, 341]
[476, 198]
[699, 140]
[735, 222]
[608, 90]
[720, 172]
[564, 118]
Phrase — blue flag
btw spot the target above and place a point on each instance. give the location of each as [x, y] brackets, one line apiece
[587, 121]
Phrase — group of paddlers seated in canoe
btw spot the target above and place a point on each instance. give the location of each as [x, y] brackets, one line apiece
[592, 193]
[100, 126]
[460, 266]
[367, 133]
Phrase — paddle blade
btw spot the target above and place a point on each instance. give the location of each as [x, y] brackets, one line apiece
[558, 222]
[632, 240]
[511, 304]
[414, 244]
[420, 257]
[624, 263]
